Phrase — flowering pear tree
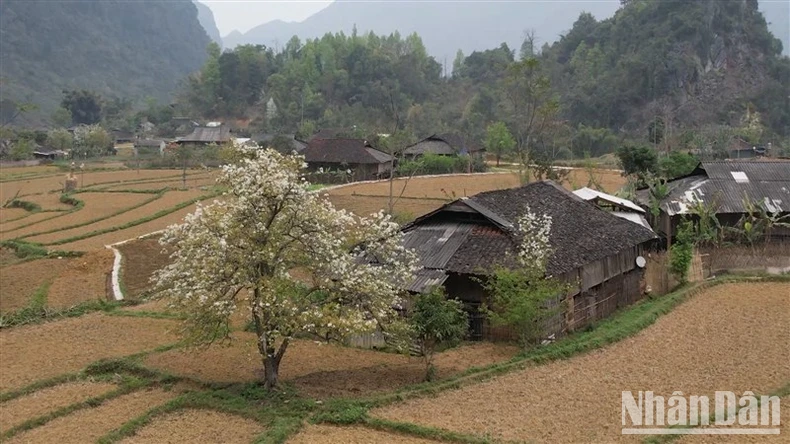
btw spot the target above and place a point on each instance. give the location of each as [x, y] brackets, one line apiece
[521, 297]
[240, 253]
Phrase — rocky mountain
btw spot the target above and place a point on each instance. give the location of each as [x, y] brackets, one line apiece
[468, 26]
[206, 19]
[119, 49]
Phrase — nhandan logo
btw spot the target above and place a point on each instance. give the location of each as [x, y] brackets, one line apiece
[648, 414]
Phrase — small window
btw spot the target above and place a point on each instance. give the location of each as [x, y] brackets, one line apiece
[740, 176]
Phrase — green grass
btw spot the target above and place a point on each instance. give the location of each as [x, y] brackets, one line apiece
[36, 315]
[25, 205]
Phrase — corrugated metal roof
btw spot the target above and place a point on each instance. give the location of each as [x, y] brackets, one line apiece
[633, 217]
[425, 279]
[590, 194]
[760, 171]
[436, 242]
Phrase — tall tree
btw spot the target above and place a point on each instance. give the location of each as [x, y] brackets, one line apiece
[499, 141]
[246, 247]
[85, 106]
[532, 107]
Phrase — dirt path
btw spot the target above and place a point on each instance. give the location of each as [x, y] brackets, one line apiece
[324, 434]
[90, 424]
[728, 338]
[198, 426]
[32, 406]
[51, 349]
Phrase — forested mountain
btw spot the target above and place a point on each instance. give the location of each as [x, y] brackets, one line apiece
[444, 27]
[122, 49]
[668, 69]
[468, 26]
[206, 19]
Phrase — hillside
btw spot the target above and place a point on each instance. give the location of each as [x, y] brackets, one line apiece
[206, 19]
[468, 26]
[119, 49]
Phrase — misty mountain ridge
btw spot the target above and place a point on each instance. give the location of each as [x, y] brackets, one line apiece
[472, 26]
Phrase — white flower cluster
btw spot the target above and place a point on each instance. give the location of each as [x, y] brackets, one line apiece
[285, 252]
[535, 249]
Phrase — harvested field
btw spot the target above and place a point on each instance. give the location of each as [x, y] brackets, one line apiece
[325, 434]
[96, 242]
[97, 205]
[198, 426]
[51, 349]
[431, 187]
[700, 347]
[18, 282]
[321, 370]
[193, 181]
[49, 201]
[364, 206]
[84, 279]
[55, 183]
[10, 173]
[167, 201]
[141, 258]
[458, 185]
[10, 214]
[88, 425]
[7, 228]
[48, 400]
[784, 429]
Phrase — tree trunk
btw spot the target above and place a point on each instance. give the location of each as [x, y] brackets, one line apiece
[497, 160]
[271, 370]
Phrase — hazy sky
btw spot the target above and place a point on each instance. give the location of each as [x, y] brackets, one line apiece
[246, 14]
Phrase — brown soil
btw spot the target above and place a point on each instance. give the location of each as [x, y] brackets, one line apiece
[709, 343]
[84, 279]
[55, 183]
[364, 206]
[88, 425]
[97, 205]
[7, 230]
[159, 305]
[141, 259]
[784, 429]
[49, 201]
[169, 200]
[51, 349]
[19, 282]
[198, 426]
[321, 370]
[98, 242]
[193, 181]
[7, 214]
[325, 434]
[455, 186]
[7, 257]
[37, 404]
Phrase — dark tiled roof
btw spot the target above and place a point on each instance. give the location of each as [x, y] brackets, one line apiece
[340, 151]
[581, 232]
[208, 134]
[444, 144]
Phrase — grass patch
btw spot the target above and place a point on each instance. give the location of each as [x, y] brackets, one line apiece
[133, 223]
[23, 204]
[36, 315]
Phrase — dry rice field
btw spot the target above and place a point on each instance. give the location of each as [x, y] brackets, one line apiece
[708, 343]
[325, 434]
[90, 424]
[55, 348]
[322, 370]
[18, 282]
[198, 426]
[19, 410]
